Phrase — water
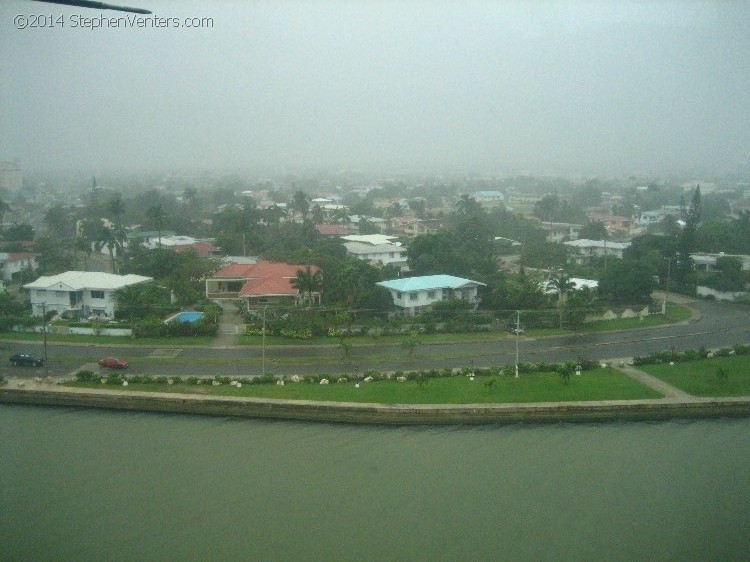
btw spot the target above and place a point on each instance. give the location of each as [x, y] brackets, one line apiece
[90, 485]
[185, 317]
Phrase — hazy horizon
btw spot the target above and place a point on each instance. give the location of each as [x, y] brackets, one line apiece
[552, 88]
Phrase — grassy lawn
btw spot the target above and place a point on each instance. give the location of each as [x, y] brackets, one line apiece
[107, 340]
[599, 384]
[699, 378]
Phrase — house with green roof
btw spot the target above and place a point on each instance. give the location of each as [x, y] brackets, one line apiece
[414, 294]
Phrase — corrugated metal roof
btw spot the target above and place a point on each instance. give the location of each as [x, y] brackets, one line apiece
[427, 283]
[78, 280]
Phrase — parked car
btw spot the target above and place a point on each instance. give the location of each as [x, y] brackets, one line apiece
[26, 359]
[113, 363]
[515, 330]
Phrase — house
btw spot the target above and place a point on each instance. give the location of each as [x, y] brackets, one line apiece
[583, 250]
[577, 284]
[332, 230]
[707, 262]
[561, 231]
[412, 226]
[356, 221]
[258, 283]
[79, 294]
[15, 262]
[415, 294]
[489, 199]
[614, 223]
[378, 254]
[177, 243]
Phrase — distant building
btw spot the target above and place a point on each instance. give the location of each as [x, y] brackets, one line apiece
[707, 262]
[489, 199]
[10, 175]
[583, 250]
[415, 294]
[561, 231]
[615, 223]
[378, 254]
[181, 244]
[15, 262]
[79, 294]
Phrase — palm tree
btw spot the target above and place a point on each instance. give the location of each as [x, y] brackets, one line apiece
[301, 203]
[156, 216]
[562, 284]
[308, 283]
[116, 208]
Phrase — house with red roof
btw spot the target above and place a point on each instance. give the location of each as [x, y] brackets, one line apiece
[258, 283]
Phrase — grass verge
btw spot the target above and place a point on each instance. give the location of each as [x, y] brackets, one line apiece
[598, 384]
[702, 377]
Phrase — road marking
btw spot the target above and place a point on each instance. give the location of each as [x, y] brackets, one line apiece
[165, 353]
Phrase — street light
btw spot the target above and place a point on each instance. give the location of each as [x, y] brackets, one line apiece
[518, 329]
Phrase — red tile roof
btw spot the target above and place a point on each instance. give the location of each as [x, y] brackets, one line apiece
[264, 278]
[332, 229]
[203, 249]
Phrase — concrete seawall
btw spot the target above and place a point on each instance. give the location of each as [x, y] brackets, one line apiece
[416, 414]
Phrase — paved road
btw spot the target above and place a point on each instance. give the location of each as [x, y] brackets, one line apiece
[720, 324]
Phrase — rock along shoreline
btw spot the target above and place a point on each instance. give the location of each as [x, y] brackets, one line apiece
[378, 414]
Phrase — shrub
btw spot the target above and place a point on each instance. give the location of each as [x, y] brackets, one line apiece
[87, 376]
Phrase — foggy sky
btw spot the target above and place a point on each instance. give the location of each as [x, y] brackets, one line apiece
[589, 87]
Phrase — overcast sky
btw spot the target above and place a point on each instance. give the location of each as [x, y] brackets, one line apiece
[490, 87]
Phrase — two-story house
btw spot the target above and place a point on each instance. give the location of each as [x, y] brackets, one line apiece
[79, 294]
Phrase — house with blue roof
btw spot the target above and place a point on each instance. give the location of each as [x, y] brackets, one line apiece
[415, 294]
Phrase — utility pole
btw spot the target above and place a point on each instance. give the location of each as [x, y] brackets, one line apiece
[518, 327]
[263, 344]
[666, 295]
[44, 333]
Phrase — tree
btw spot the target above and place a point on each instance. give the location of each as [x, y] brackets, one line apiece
[300, 203]
[595, 230]
[116, 208]
[308, 283]
[4, 208]
[136, 302]
[628, 282]
[561, 283]
[157, 217]
[685, 278]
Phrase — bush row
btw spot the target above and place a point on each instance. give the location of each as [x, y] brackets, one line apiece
[118, 378]
[675, 356]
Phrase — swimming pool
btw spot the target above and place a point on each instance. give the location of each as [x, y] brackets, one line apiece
[189, 316]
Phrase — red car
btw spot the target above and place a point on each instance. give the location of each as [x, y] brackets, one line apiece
[113, 363]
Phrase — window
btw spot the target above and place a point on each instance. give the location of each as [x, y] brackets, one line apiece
[413, 296]
[430, 294]
[97, 294]
[399, 295]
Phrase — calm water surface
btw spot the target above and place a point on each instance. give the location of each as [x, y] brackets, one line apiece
[91, 485]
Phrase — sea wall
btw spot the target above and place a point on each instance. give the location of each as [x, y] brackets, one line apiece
[417, 414]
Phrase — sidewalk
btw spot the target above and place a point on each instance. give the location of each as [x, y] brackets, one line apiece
[230, 326]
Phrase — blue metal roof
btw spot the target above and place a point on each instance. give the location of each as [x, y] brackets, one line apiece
[427, 283]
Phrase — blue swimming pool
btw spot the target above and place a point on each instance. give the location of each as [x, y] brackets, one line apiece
[185, 317]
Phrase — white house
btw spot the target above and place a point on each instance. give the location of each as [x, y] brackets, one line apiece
[13, 262]
[584, 249]
[79, 293]
[377, 254]
[414, 294]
